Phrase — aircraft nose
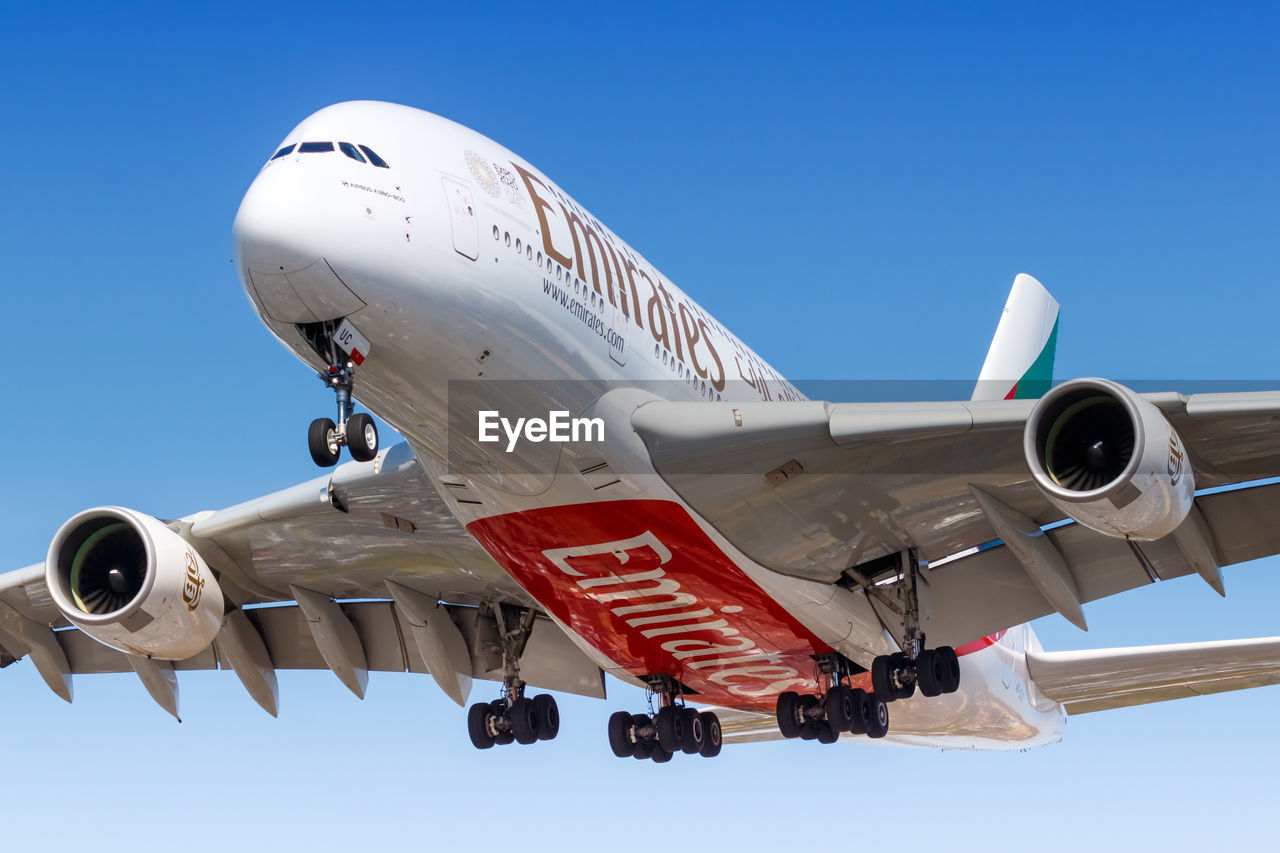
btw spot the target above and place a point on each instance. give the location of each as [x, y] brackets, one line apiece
[283, 235]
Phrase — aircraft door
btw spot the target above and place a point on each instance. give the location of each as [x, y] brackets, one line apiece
[462, 217]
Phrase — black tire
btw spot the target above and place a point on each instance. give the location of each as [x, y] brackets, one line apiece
[322, 441]
[547, 715]
[670, 726]
[840, 708]
[929, 673]
[788, 712]
[950, 668]
[712, 737]
[861, 711]
[478, 725]
[881, 684]
[644, 749]
[878, 721]
[811, 729]
[362, 437]
[523, 721]
[503, 736]
[899, 663]
[660, 754]
[620, 734]
[826, 734]
[693, 731]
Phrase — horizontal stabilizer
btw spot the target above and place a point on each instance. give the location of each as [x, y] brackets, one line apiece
[1098, 680]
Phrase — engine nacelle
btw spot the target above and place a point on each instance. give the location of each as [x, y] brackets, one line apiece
[1109, 459]
[133, 584]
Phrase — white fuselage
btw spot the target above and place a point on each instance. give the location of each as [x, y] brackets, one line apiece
[480, 285]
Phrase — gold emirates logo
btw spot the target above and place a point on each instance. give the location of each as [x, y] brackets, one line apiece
[193, 584]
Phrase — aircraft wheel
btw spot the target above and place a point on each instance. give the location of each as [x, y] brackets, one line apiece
[826, 734]
[523, 721]
[670, 726]
[840, 708]
[362, 437]
[645, 749]
[620, 734]
[478, 725]
[660, 754]
[547, 716]
[322, 441]
[693, 731]
[789, 714]
[881, 684]
[861, 711]
[929, 672]
[711, 735]
[878, 721]
[950, 668]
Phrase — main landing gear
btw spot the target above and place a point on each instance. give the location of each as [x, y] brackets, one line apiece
[514, 717]
[834, 709]
[356, 431]
[674, 728]
[934, 671]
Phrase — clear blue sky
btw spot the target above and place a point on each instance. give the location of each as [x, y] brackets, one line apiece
[850, 187]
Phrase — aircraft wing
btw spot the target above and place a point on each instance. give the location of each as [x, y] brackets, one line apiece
[1101, 679]
[814, 489]
[376, 537]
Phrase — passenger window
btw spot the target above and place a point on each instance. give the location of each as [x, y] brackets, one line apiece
[314, 147]
[374, 158]
[350, 151]
[282, 152]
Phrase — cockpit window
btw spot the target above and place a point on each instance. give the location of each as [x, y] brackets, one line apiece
[314, 147]
[374, 158]
[282, 152]
[350, 151]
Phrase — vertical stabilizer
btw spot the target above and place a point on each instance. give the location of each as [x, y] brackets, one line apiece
[1019, 365]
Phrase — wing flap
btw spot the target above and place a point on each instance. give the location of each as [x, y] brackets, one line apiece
[550, 660]
[988, 591]
[1086, 681]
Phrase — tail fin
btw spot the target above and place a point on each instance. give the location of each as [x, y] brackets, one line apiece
[1019, 365]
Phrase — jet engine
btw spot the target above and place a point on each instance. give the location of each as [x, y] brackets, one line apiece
[133, 584]
[1109, 459]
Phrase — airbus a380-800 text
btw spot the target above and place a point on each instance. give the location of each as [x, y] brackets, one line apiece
[598, 477]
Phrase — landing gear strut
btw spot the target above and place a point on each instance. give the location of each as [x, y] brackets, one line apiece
[514, 717]
[356, 431]
[674, 728]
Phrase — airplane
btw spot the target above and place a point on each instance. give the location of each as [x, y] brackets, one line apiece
[597, 478]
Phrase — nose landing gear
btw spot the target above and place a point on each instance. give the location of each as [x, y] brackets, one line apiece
[356, 431]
